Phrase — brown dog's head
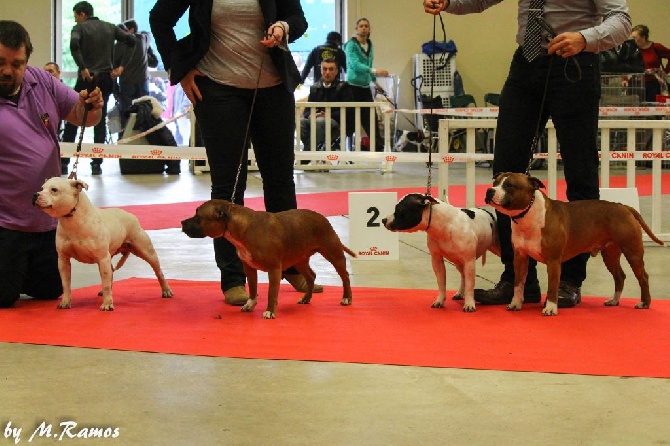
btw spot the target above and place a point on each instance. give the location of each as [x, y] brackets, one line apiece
[512, 191]
[210, 220]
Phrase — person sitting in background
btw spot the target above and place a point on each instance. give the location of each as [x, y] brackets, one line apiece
[329, 50]
[32, 103]
[653, 55]
[328, 89]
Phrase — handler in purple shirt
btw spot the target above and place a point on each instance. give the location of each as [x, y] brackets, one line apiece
[32, 102]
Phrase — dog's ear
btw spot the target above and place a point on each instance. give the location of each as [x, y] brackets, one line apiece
[429, 200]
[537, 183]
[79, 184]
[496, 177]
[223, 211]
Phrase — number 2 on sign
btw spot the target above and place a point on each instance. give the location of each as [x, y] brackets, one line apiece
[373, 223]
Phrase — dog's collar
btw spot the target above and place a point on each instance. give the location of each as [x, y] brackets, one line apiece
[430, 216]
[525, 211]
[73, 210]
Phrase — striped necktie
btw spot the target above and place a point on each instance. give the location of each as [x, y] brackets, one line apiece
[532, 42]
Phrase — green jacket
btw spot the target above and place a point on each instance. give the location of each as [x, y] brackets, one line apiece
[359, 63]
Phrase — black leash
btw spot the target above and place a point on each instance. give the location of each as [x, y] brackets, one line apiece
[89, 88]
[536, 138]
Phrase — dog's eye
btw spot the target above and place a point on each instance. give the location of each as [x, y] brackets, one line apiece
[53, 189]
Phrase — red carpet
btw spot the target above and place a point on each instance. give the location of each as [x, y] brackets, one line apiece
[163, 216]
[383, 326]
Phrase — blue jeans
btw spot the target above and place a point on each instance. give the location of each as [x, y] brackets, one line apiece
[573, 108]
[128, 93]
[222, 118]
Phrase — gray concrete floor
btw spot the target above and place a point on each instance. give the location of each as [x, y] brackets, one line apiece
[160, 399]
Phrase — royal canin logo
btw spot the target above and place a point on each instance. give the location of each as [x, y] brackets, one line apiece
[97, 150]
[448, 159]
[332, 157]
[156, 152]
[391, 158]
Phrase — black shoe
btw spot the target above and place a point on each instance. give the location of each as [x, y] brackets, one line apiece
[568, 295]
[173, 170]
[63, 169]
[503, 292]
[96, 169]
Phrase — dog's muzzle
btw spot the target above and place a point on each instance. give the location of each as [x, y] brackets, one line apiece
[191, 228]
[490, 193]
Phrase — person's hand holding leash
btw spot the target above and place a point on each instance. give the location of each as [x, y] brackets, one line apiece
[435, 6]
[274, 36]
[567, 44]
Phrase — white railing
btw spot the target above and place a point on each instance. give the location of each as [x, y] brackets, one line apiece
[656, 155]
[351, 143]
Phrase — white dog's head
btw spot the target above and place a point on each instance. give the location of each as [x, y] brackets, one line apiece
[59, 196]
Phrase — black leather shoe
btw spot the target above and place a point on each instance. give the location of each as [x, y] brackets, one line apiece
[503, 292]
[568, 295]
[96, 169]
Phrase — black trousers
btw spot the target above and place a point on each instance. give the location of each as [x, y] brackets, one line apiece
[572, 102]
[222, 118]
[364, 94]
[28, 265]
[106, 85]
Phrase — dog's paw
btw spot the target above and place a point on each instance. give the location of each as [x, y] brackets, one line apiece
[641, 306]
[268, 315]
[345, 301]
[469, 308]
[167, 293]
[105, 307]
[550, 309]
[437, 304]
[457, 296]
[513, 307]
[305, 300]
[611, 303]
[63, 306]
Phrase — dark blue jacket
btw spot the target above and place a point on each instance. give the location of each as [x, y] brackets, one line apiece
[180, 56]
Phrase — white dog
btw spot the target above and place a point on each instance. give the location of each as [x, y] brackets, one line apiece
[92, 235]
[460, 235]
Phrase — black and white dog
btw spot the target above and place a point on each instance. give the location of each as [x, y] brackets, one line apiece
[460, 235]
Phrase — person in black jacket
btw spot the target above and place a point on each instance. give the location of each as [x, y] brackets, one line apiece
[92, 45]
[133, 77]
[235, 67]
[328, 89]
[329, 50]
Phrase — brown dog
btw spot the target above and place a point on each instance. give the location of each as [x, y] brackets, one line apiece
[272, 242]
[553, 231]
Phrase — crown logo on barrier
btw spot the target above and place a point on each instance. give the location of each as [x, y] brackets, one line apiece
[332, 157]
[448, 159]
[97, 150]
[156, 152]
[391, 158]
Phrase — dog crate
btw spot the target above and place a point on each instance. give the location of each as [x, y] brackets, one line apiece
[437, 72]
[621, 90]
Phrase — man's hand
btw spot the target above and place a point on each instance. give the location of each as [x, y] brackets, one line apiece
[567, 44]
[435, 6]
[86, 75]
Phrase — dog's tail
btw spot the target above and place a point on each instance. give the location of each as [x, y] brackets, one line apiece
[349, 251]
[643, 223]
